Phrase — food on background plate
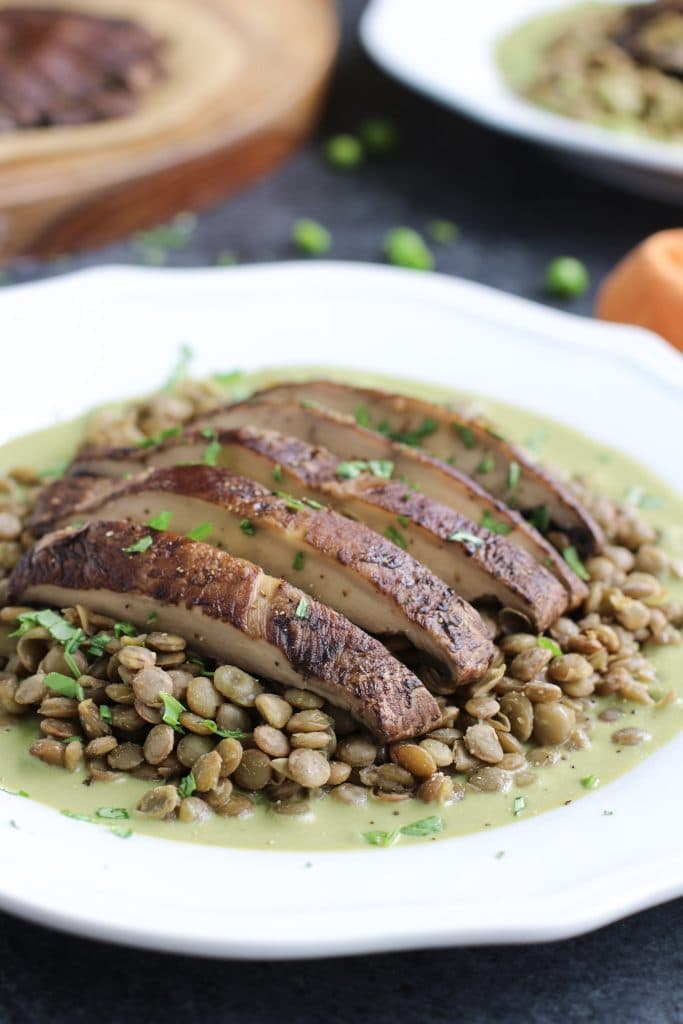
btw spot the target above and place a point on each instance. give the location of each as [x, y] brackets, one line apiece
[646, 287]
[67, 67]
[616, 66]
[222, 620]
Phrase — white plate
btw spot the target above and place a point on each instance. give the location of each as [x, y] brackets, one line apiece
[101, 334]
[448, 52]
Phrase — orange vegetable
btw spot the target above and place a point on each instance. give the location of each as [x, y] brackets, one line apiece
[646, 287]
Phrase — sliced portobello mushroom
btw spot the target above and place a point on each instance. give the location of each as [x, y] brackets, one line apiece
[478, 564]
[356, 444]
[227, 609]
[470, 443]
[342, 563]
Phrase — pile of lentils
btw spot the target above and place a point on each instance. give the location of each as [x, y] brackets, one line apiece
[212, 739]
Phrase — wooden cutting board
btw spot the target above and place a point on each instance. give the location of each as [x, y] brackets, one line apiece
[245, 82]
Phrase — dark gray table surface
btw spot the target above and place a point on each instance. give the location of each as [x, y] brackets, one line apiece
[516, 208]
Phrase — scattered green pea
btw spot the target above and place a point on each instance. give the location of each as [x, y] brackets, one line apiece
[405, 247]
[566, 277]
[311, 237]
[442, 231]
[344, 151]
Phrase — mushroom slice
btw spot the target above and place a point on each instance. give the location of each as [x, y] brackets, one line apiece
[478, 564]
[469, 442]
[356, 444]
[344, 564]
[230, 610]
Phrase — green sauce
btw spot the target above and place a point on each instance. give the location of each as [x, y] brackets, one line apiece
[336, 826]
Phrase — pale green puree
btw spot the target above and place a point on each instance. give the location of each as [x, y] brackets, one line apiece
[336, 826]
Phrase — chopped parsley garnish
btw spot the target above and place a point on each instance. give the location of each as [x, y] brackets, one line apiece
[277, 474]
[121, 833]
[312, 503]
[246, 526]
[187, 786]
[362, 416]
[112, 813]
[571, 557]
[155, 243]
[140, 546]
[590, 782]
[124, 629]
[380, 838]
[201, 532]
[487, 464]
[514, 474]
[57, 626]
[518, 806]
[489, 522]
[161, 521]
[396, 537]
[466, 538]
[403, 520]
[500, 854]
[293, 504]
[180, 371]
[607, 814]
[303, 609]
[78, 817]
[636, 495]
[98, 644]
[540, 518]
[378, 467]
[162, 435]
[105, 713]
[535, 441]
[424, 827]
[413, 438]
[70, 660]
[213, 448]
[226, 734]
[548, 644]
[54, 472]
[298, 562]
[173, 709]
[65, 686]
[465, 433]
[152, 619]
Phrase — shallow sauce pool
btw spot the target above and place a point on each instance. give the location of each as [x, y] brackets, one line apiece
[331, 824]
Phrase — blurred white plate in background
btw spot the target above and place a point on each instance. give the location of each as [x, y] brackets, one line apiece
[447, 50]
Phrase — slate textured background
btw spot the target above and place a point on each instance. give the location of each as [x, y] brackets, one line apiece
[516, 208]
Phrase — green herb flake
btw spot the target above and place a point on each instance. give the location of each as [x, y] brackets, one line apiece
[514, 474]
[226, 734]
[487, 464]
[466, 538]
[403, 520]
[380, 838]
[534, 443]
[152, 619]
[551, 645]
[124, 629]
[56, 471]
[490, 522]
[465, 433]
[112, 813]
[424, 827]
[187, 786]
[213, 448]
[71, 662]
[607, 814]
[121, 833]
[590, 782]
[161, 521]
[78, 817]
[201, 532]
[571, 557]
[173, 709]
[303, 609]
[277, 474]
[140, 546]
[442, 231]
[105, 713]
[293, 504]
[179, 373]
[298, 562]
[414, 438]
[159, 438]
[636, 495]
[540, 518]
[362, 416]
[312, 503]
[155, 243]
[500, 854]
[58, 628]
[396, 537]
[98, 644]
[351, 470]
[518, 806]
[246, 526]
[65, 686]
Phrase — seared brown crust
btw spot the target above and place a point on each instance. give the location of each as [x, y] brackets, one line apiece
[322, 647]
[60, 499]
[452, 631]
[314, 471]
[537, 485]
[437, 479]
